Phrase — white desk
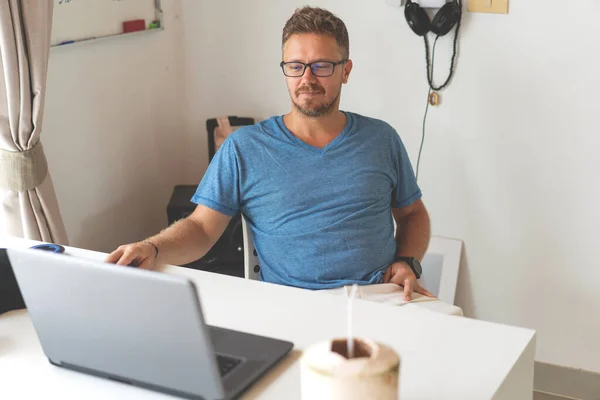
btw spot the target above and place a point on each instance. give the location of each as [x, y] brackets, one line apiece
[443, 357]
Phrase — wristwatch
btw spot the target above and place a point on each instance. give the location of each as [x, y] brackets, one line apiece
[413, 263]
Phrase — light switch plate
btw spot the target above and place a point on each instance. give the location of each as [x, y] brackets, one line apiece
[488, 6]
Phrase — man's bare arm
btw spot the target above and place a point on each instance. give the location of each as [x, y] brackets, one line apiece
[184, 241]
[412, 230]
[412, 240]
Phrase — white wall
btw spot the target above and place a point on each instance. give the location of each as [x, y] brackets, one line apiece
[113, 133]
[510, 161]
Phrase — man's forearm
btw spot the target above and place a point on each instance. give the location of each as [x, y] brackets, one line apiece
[413, 234]
[181, 243]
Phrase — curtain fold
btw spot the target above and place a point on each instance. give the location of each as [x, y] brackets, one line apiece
[28, 204]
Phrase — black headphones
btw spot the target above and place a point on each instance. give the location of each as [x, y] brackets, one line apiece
[442, 23]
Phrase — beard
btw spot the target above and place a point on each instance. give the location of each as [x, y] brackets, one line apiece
[312, 108]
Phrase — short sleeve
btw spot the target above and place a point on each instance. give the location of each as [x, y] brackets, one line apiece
[219, 188]
[406, 190]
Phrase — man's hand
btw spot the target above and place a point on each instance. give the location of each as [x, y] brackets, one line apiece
[401, 274]
[140, 254]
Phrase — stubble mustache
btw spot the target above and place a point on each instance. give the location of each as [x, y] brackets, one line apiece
[310, 89]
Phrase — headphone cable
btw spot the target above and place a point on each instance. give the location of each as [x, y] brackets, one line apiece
[454, 52]
[429, 91]
[429, 67]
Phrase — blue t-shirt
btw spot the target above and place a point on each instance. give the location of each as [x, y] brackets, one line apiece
[320, 218]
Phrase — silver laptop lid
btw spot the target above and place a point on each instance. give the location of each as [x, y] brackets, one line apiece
[133, 325]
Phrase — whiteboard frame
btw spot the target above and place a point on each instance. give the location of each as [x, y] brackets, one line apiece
[158, 16]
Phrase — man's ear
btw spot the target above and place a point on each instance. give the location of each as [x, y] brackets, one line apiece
[347, 70]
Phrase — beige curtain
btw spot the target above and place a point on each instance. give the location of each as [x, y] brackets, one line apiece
[28, 205]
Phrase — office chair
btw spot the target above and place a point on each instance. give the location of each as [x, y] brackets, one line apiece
[251, 264]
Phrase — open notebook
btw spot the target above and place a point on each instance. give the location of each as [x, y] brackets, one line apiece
[390, 293]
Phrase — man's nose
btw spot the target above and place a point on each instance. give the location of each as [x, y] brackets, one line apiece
[308, 76]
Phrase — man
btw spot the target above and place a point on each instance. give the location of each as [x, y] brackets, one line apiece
[318, 186]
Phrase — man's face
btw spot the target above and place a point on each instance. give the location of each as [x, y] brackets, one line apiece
[315, 96]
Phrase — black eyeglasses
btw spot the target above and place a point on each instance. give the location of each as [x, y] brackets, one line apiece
[296, 69]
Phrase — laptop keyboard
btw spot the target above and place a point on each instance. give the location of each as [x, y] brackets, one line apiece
[227, 364]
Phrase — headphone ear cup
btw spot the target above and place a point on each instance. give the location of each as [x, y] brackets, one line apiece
[417, 19]
[446, 18]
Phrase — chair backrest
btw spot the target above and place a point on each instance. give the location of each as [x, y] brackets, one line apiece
[440, 264]
[220, 127]
[440, 267]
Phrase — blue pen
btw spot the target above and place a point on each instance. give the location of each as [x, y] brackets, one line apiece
[67, 42]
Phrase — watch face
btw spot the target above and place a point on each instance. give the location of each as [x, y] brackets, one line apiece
[417, 265]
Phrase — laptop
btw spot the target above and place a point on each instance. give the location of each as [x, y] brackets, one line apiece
[139, 327]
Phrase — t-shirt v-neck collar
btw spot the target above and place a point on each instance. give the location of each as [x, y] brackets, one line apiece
[334, 143]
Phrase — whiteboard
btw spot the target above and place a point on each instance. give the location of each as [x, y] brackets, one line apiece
[81, 20]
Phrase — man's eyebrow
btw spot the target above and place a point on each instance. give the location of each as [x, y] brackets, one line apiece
[314, 61]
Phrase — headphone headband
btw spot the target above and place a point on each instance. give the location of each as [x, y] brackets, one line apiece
[445, 19]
